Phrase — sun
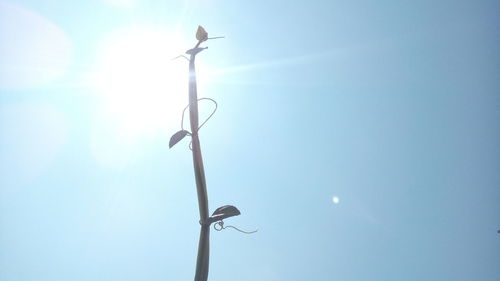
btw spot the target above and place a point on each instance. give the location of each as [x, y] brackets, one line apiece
[141, 88]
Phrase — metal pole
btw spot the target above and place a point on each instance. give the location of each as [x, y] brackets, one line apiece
[223, 212]
[202, 260]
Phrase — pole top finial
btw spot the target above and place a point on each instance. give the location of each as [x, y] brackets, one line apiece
[202, 36]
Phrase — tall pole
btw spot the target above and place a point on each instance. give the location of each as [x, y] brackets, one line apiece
[202, 260]
[223, 212]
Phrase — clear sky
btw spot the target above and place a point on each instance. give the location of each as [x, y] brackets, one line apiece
[360, 137]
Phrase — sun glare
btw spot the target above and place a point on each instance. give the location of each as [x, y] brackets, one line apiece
[142, 89]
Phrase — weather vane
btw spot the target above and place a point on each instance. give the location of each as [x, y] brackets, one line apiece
[221, 213]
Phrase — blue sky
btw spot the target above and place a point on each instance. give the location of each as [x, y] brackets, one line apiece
[391, 106]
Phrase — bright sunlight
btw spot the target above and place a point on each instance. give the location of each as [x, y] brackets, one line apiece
[142, 89]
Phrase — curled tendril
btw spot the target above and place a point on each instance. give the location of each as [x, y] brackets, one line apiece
[210, 116]
[220, 226]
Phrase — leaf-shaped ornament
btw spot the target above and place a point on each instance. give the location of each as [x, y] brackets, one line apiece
[201, 34]
[225, 212]
[177, 137]
[221, 213]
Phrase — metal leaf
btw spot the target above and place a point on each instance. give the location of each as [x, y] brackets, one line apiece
[195, 51]
[225, 212]
[221, 213]
[177, 137]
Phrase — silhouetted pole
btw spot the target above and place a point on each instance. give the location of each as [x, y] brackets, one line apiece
[199, 173]
[202, 260]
